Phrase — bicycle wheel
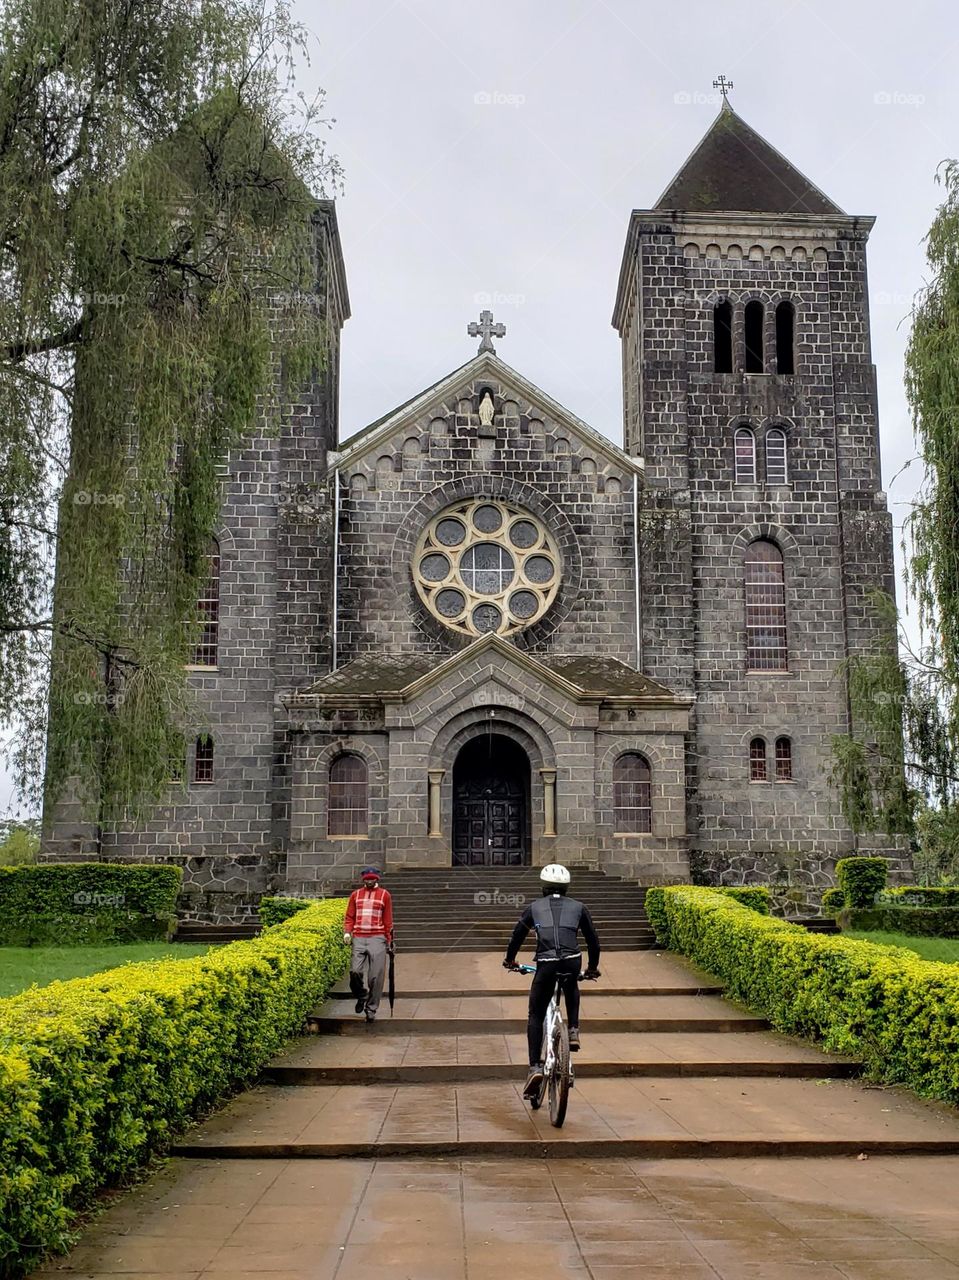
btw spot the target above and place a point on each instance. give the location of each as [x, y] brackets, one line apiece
[559, 1078]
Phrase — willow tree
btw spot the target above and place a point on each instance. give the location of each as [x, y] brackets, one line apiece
[157, 181]
[903, 769]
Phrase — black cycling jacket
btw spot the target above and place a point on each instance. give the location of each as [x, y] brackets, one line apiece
[557, 921]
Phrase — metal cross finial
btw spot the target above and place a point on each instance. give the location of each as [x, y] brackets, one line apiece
[723, 85]
[487, 330]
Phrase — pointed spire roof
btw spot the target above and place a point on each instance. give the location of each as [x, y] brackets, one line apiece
[735, 170]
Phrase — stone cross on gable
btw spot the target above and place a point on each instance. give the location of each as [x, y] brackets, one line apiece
[487, 330]
[723, 85]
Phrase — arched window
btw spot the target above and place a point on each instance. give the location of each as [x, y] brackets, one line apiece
[206, 652]
[757, 761]
[632, 795]
[745, 456]
[203, 759]
[776, 470]
[765, 608]
[348, 805]
[785, 338]
[723, 337]
[753, 334]
[784, 760]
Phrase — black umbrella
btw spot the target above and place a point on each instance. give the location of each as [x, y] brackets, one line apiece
[391, 982]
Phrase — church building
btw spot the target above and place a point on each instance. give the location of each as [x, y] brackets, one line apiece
[480, 633]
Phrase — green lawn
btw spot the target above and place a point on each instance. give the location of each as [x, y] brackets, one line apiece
[22, 966]
[929, 948]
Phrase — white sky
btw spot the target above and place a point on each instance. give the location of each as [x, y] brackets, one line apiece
[494, 149]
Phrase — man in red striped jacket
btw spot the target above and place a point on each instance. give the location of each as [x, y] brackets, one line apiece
[369, 926]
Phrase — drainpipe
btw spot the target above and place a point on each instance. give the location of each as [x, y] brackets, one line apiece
[639, 654]
[336, 560]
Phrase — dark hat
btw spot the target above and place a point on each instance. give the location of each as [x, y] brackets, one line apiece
[370, 873]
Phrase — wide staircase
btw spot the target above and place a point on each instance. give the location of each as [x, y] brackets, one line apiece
[475, 908]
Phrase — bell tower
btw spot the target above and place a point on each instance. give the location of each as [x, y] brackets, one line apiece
[749, 390]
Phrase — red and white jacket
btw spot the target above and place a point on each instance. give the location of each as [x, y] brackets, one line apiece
[370, 914]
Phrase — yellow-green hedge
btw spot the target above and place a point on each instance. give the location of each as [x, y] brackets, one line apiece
[98, 1073]
[883, 1005]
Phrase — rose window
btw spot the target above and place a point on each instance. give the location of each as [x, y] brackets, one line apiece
[486, 566]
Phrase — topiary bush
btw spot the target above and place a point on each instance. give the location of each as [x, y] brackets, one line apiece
[861, 879]
[275, 910]
[884, 1005]
[656, 913]
[85, 903]
[99, 1073]
[833, 901]
[916, 896]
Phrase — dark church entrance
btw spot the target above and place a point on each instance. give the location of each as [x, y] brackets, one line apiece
[491, 779]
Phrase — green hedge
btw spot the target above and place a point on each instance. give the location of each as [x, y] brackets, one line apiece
[754, 896]
[918, 922]
[912, 895]
[861, 879]
[884, 1005]
[275, 910]
[833, 901]
[98, 1073]
[85, 903]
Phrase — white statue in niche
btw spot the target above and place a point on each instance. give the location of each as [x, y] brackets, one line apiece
[486, 409]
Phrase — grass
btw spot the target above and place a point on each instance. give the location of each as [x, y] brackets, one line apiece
[20, 967]
[929, 948]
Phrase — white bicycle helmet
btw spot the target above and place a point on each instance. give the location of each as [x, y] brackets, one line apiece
[553, 873]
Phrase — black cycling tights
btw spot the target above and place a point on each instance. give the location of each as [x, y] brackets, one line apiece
[540, 994]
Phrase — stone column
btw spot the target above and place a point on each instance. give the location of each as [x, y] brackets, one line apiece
[436, 777]
[549, 801]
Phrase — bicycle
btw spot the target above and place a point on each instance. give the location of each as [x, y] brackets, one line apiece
[558, 1074]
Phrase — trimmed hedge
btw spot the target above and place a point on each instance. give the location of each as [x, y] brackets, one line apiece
[917, 922]
[275, 910]
[916, 896]
[862, 879]
[99, 1073]
[85, 903]
[884, 1005]
[755, 897]
[833, 901]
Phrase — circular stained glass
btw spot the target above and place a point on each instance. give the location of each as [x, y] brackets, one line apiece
[486, 617]
[523, 604]
[487, 518]
[450, 603]
[485, 566]
[435, 568]
[539, 569]
[450, 533]
[487, 569]
[523, 534]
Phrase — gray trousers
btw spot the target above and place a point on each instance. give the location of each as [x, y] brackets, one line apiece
[368, 969]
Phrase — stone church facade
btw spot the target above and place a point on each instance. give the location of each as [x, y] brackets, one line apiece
[479, 633]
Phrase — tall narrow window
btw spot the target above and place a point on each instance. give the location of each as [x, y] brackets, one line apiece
[785, 338]
[757, 761]
[723, 337]
[776, 471]
[206, 653]
[745, 456]
[632, 795]
[203, 759]
[753, 334]
[784, 760]
[765, 608]
[348, 804]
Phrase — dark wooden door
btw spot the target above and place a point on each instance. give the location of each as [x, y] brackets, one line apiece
[489, 821]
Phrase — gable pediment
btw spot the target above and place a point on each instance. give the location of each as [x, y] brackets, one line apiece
[446, 398]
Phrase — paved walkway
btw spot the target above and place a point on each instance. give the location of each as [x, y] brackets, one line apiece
[405, 1151]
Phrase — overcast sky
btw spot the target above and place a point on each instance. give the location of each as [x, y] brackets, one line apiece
[493, 150]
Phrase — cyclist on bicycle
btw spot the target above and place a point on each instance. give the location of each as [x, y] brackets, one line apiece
[557, 920]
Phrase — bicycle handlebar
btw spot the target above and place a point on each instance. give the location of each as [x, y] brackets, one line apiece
[531, 968]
